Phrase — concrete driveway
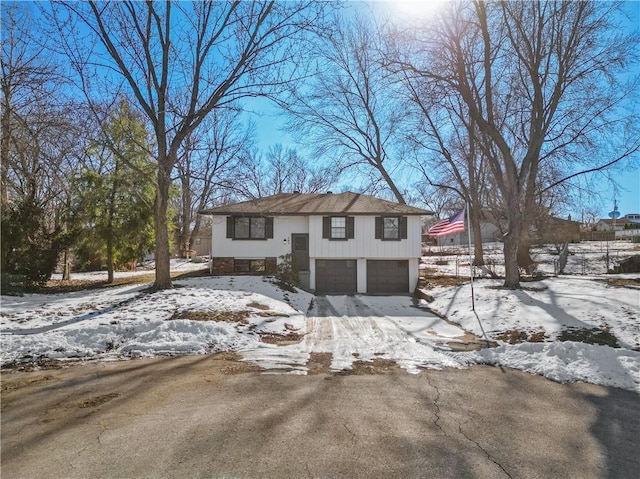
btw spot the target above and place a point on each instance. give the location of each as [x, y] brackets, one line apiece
[210, 416]
[356, 330]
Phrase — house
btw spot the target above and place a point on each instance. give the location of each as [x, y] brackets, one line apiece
[546, 230]
[611, 224]
[202, 241]
[554, 230]
[340, 243]
[489, 232]
[633, 217]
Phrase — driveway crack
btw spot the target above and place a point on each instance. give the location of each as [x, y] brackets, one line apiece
[436, 406]
[483, 450]
[353, 436]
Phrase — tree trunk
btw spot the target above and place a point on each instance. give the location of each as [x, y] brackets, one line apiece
[391, 184]
[512, 273]
[185, 236]
[163, 270]
[525, 261]
[66, 270]
[4, 147]
[195, 231]
[563, 257]
[474, 216]
[511, 242]
[109, 259]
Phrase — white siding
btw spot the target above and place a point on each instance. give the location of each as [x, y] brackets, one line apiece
[362, 275]
[364, 244]
[283, 226]
[413, 273]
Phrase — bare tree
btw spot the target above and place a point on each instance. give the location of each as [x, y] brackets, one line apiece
[348, 109]
[281, 170]
[448, 156]
[207, 165]
[42, 138]
[540, 82]
[182, 60]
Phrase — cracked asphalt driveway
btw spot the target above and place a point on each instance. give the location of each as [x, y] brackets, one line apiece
[212, 416]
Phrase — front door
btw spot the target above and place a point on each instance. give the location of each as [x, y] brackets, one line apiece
[300, 250]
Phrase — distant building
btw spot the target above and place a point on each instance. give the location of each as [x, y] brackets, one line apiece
[633, 217]
[547, 231]
[553, 230]
[201, 245]
[202, 241]
[612, 225]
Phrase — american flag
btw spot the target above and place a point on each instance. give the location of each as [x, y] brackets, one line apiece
[453, 224]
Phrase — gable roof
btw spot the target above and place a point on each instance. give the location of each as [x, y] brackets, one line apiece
[619, 221]
[305, 204]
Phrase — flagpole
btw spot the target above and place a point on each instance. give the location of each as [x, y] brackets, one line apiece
[473, 301]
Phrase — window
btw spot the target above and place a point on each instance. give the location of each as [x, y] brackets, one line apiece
[338, 227]
[391, 228]
[249, 266]
[249, 227]
[242, 228]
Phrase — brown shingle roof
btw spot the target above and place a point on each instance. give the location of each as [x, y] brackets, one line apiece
[316, 204]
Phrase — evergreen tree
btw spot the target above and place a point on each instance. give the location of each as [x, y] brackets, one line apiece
[116, 193]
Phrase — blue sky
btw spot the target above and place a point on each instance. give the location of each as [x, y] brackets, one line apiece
[627, 177]
[627, 191]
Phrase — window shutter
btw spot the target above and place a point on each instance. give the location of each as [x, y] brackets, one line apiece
[269, 227]
[403, 227]
[229, 226]
[378, 227]
[326, 227]
[350, 227]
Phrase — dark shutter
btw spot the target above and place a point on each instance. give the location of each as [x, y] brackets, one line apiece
[378, 227]
[229, 226]
[326, 227]
[269, 227]
[403, 227]
[350, 227]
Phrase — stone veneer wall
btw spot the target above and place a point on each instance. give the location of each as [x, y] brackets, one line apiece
[224, 265]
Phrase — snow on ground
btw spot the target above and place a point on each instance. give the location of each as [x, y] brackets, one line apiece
[550, 306]
[176, 265]
[587, 257]
[128, 321]
[365, 328]
[578, 300]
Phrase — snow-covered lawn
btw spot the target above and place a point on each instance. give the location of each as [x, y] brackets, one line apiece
[548, 308]
[587, 257]
[201, 315]
[254, 317]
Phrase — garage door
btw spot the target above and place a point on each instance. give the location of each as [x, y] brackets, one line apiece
[336, 276]
[387, 276]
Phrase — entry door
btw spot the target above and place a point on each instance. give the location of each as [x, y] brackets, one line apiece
[300, 250]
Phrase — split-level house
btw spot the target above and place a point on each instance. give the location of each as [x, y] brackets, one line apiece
[340, 243]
